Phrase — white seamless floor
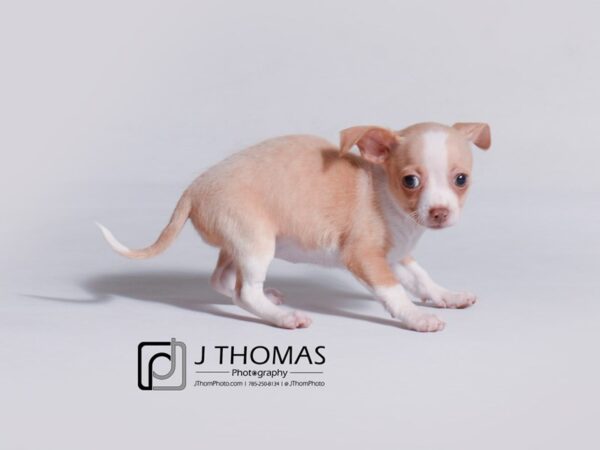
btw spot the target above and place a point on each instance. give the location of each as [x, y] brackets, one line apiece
[518, 370]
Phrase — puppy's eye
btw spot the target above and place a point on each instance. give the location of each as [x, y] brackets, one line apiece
[461, 180]
[411, 181]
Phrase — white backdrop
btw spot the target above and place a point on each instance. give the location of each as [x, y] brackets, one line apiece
[108, 110]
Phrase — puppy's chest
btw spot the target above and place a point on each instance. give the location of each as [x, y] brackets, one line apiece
[404, 239]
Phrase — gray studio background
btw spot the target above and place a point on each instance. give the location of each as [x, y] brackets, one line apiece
[109, 109]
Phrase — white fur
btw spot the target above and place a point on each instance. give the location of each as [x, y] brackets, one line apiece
[112, 240]
[418, 282]
[289, 250]
[395, 300]
[400, 307]
[223, 281]
[437, 191]
[253, 299]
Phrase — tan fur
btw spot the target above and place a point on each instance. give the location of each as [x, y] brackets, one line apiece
[321, 196]
[245, 196]
[478, 133]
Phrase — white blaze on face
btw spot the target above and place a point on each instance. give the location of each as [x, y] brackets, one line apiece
[437, 191]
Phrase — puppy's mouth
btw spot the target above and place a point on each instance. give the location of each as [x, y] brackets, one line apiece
[438, 226]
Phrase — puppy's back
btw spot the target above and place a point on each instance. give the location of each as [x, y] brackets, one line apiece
[295, 186]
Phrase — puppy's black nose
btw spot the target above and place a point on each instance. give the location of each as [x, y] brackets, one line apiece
[439, 214]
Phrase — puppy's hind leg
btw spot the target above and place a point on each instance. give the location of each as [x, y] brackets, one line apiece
[224, 276]
[252, 264]
[219, 279]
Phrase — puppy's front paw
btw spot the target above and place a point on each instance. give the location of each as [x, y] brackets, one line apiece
[424, 322]
[449, 299]
[295, 319]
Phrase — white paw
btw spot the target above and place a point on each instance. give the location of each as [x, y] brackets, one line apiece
[275, 295]
[449, 299]
[295, 319]
[424, 322]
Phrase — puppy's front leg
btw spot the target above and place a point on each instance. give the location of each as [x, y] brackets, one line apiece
[419, 283]
[374, 270]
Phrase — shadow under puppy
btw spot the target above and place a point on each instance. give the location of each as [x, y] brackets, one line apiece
[302, 199]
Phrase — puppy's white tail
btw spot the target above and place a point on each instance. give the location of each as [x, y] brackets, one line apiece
[168, 235]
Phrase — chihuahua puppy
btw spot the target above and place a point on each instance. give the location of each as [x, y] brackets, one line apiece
[302, 199]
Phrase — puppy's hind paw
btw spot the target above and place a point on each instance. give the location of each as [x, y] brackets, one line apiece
[295, 319]
[424, 322]
[274, 295]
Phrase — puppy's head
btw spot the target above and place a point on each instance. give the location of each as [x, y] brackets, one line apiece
[428, 165]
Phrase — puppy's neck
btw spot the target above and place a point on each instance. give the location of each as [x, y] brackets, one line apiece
[403, 229]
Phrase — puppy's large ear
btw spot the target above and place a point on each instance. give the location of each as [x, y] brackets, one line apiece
[374, 143]
[478, 133]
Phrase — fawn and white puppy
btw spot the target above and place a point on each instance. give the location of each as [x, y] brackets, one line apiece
[303, 199]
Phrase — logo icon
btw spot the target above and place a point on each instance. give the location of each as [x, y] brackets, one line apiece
[161, 366]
